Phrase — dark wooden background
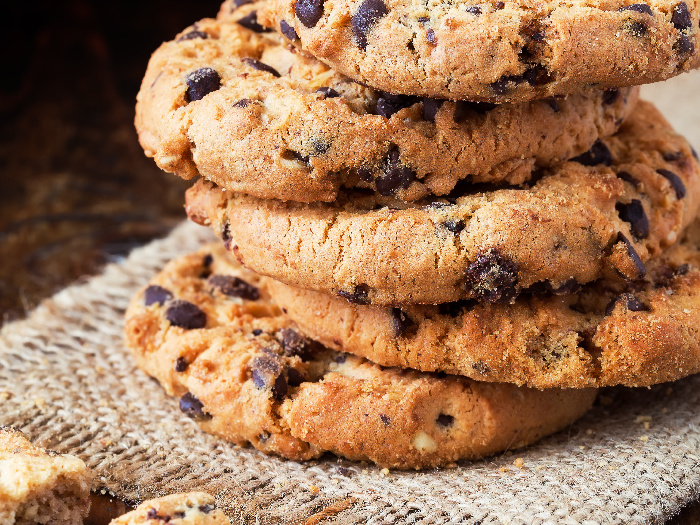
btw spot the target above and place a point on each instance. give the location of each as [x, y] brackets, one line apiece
[77, 191]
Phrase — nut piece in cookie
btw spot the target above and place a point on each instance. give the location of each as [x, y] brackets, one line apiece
[192, 508]
[40, 486]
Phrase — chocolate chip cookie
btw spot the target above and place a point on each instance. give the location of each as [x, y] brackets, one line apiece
[636, 333]
[208, 332]
[603, 214]
[40, 486]
[238, 106]
[192, 508]
[495, 51]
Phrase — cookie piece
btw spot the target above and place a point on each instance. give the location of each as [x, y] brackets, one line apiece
[39, 486]
[245, 111]
[637, 333]
[192, 508]
[510, 50]
[601, 215]
[249, 376]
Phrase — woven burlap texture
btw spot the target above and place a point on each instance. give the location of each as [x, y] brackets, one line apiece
[67, 380]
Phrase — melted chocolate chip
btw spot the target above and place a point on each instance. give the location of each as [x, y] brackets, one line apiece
[388, 103]
[386, 420]
[445, 420]
[633, 255]
[627, 177]
[481, 368]
[633, 213]
[401, 323]
[598, 154]
[430, 36]
[193, 408]
[251, 22]
[327, 92]
[395, 175]
[681, 17]
[637, 8]
[181, 364]
[260, 66]
[684, 45]
[185, 315]
[610, 96]
[492, 277]
[288, 31]
[309, 12]
[474, 10]
[234, 287]
[430, 108]
[295, 344]
[676, 182]
[360, 295]
[454, 226]
[365, 18]
[266, 373]
[200, 83]
[226, 235]
[192, 35]
[629, 301]
[155, 294]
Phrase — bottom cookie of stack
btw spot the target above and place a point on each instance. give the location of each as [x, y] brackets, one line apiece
[209, 332]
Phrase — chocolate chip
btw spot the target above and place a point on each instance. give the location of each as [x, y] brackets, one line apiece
[185, 315]
[463, 109]
[327, 92]
[474, 10]
[430, 36]
[445, 420]
[388, 103]
[239, 3]
[537, 76]
[257, 332]
[294, 377]
[695, 153]
[401, 323]
[684, 45]
[423, 19]
[207, 260]
[492, 277]
[502, 85]
[295, 344]
[260, 66]
[629, 301]
[481, 368]
[672, 156]
[263, 436]
[152, 514]
[633, 255]
[395, 176]
[251, 22]
[570, 286]
[206, 509]
[234, 287]
[340, 358]
[290, 154]
[638, 29]
[430, 108]
[200, 83]
[385, 419]
[627, 177]
[633, 213]
[598, 154]
[675, 181]
[193, 408]
[365, 18]
[266, 373]
[155, 294]
[243, 103]
[360, 295]
[610, 96]
[499, 6]
[681, 17]
[226, 235]
[365, 174]
[193, 35]
[181, 364]
[309, 12]
[288, 31]
[320, 146]
[638, 8]
[554, 104]
[454, 226]
[682, 269]
[180, 514]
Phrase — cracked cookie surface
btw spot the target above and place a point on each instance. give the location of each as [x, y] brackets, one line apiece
[602, 214]
[251, 114]
[509, 50]
[208, 332]
[636, 333]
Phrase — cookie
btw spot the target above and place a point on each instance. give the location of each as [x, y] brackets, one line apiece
[637, 333]
[495, 51]
[192, 508]
[38, 484]
[250, 114]
[601, 215]
[208, 332]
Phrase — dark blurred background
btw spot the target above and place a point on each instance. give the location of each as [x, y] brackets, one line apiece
[76, 190]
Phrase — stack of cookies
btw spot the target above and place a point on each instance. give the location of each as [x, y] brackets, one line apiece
[443, 225]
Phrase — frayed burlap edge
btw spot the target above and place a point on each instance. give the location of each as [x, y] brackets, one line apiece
[68, 382]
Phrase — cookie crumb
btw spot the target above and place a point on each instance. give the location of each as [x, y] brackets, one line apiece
[644, 439]
[518, 463]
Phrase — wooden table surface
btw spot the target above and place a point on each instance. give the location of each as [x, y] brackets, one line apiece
[77, 191]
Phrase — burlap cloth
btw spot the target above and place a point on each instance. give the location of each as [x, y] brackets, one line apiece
[68, 382]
